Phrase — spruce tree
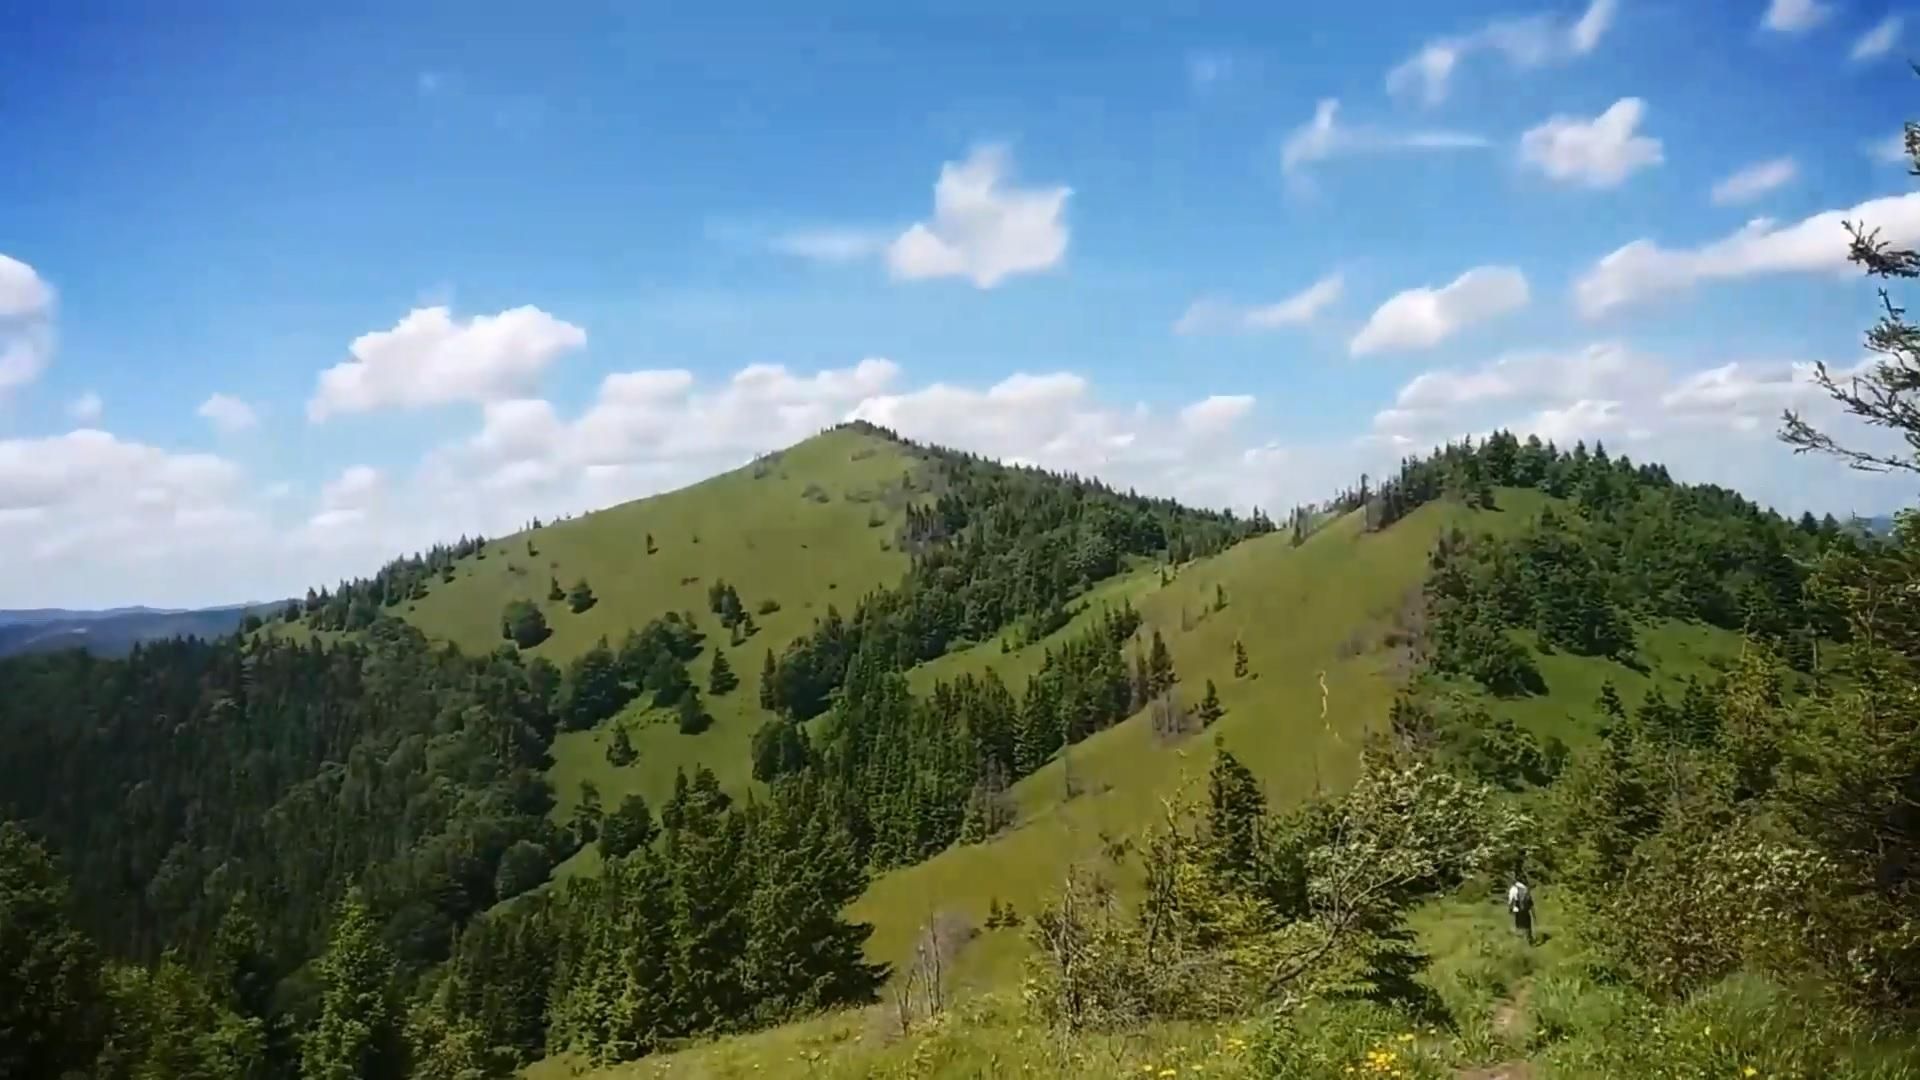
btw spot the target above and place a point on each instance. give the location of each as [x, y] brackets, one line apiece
[627, 829]
[580, 597]
[769, 677]
[554, 592]
[1210, 709]
[359, 1033]
[50, 994]
[620, 751]
[690, 714]
[1159, 666]
[1239, 659]
[721, 679]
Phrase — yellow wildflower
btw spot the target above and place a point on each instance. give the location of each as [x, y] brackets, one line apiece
[1406, 1036]
[1749, 1071]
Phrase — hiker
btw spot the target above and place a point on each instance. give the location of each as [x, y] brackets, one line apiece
[1520, 902]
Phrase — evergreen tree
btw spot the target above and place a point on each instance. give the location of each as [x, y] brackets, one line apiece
[1219, 597]
[627, 829]
[50, 993]
[769, 674]
[523, 624]
[1239, 659]
[720, 678]
[580, 597]
[595, 690]
[779, 747]
[690, 714]
[554, 592]
[1610, 704]
[1235, 810]
[651, 548]
[587, 814]
[1159, 666]
[1210, 709]
[620, 751]
[358, 1035]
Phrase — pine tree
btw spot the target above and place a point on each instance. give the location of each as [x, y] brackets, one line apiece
[580, 597]
[587, 814]
[1235, 810]
[554, 592]
[620, 751]
[50, 994]
[1610, 703]
[1239, 659]
[1219, 597]
[1160, 666]
[651, 548]
[692, 717]
[769, 676]
[627, 829]
[1210, 709]
[721, 679]
[359, 1033]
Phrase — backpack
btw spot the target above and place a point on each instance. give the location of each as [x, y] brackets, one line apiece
[1521, 902]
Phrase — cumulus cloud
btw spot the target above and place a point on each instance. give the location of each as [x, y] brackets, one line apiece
[1597, 153]
[430, 358]
[86, 409]
[1708, 425]
[1753, 181]
[228, 414]
[1324, 137]
[1208, 315]
[983, 228]
[1878, 41]
[1531, 42]
[26, 323]
[1423, 317]
[1891, 150]
[1643, 269]
[1217, 414]
[1795, 16]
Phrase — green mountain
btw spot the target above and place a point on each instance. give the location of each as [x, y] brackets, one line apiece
[931, 766]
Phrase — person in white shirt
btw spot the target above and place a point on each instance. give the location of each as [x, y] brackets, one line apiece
[1520, 903]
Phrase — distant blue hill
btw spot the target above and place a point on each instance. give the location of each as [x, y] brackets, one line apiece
[115, 631]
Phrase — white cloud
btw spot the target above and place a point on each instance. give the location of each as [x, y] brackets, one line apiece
[1891, 150]
[227, 413]
[1878, 41]
[1597, 153]
[1299, 309]
[430, 359]
[1714, 425]
[983, 229]
[1531, 42]
[1423, 317]
[832, 245]
[86, 409]
[92, 520]
[1323, 138]
[1795, 16]
[1753, 181]
[26, 323]
[1217, 414]
[1643, 269]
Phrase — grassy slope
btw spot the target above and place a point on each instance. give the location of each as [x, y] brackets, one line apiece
[756, 528]
[1322, 607]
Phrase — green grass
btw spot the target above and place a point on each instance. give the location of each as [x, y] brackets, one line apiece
[1324, 606]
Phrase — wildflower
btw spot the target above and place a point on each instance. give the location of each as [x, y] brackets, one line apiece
[1406, 1036]
[1749, 1071]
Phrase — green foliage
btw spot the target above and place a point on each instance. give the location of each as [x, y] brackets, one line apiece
[779, 747]
[627, 829]
[555, 593]
[359, 1034]
[1210, 707]
[720, 677]
[165, 1024]
[690, 714]
[580, 597]
[620, 751]
[50, 992]
[522, 867]
[523, 624]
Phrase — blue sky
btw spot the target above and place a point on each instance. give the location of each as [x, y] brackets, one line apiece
[1205, 252]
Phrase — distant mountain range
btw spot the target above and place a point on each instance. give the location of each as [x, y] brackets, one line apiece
[114, 631]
